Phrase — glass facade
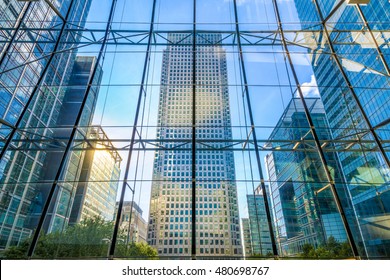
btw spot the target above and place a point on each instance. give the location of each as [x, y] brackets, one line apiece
[202, 113]
[354, 87]
[246, 234]
[258, 225]
[216, 209]
[24, 64]
[132, 222]
[98, 182]
[304, 208]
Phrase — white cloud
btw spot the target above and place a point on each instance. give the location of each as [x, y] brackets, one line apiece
[310, 89]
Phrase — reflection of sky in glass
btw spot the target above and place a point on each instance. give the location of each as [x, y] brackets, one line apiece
[266, 70]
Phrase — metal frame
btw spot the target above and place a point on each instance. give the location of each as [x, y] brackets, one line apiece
[316, 138]
[73, 133]
[246, 89]
[349, 84]
[151, 37]
[132, 141]
[35, 91]
[193, 139]
[90, 36]
[16, 29]
[378, 49]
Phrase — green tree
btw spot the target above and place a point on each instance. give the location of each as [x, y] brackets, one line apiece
[332, 249]
[307, 251]
[87, 240]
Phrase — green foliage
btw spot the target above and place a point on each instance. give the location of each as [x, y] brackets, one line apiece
[87, 240]
[261, 256]
[332, 249]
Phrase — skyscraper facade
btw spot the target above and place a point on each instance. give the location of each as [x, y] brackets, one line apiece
[132, 223]
[258, 224]
[59, 212]
[246, 234]
[305, 210]
[217, 217]
[23, 65]
[352, 73]
[98, 182]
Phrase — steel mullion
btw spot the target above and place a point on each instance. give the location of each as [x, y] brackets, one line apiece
[17, 29]
[381, 124]
[74, 130]
[333, 11]
[351, 89]
[36, 87]
[263, 188]
[193, 149]
[381, 56]
[132, 141]
[55, 10]
[316, 138]
[79, 46]
[122, 34]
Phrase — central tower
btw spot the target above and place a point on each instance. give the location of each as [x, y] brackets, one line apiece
[217, 218]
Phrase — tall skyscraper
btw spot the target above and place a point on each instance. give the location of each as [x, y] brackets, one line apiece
[22, 172]
[246, 234]
[305, 211]
[59, 212]
[354, 87]
[258, 224]
[217, 217]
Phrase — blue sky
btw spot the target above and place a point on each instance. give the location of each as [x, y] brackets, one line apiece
[123, 65]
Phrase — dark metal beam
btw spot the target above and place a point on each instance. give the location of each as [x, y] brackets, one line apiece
[16, 29]
[138, 37]
[36, 87]
[316, 138]
[74, 130]
[351, 88]
[378, 49]
[132, 140]
[335, 9]
[259, 166]
[50, 4]
[193, 142]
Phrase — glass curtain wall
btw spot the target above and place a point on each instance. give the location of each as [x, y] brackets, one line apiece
[199, 129]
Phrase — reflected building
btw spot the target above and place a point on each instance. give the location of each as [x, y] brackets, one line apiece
[132, 223]
[357, 107]
[22, 169]
[217, 225]
[97, 185]
[58, 214]
[246, 234]
[303, 205]
[258, 224]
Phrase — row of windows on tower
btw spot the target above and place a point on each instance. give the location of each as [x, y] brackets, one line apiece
[198, 205]
[200, 251]
[216, 175]
[198, 212]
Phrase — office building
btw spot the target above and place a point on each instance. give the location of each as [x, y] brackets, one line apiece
[355, 93]
[98, 182]
[246, 234]
[217, 218]
[58, 215]
[22, 172]
[132, 224]
[258, 224]
[304, 207]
